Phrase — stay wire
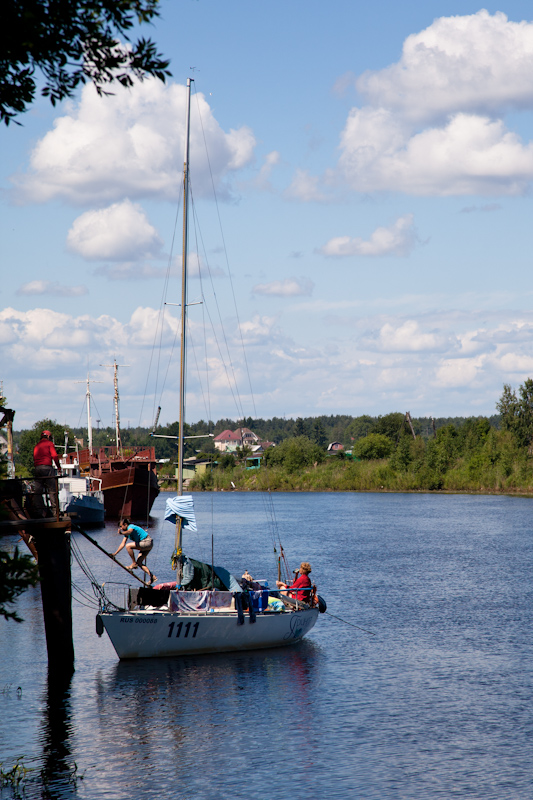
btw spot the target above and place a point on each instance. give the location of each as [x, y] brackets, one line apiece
[226, 363]
[158, 333]
[268, 503]
[372, 633]
[227, 259]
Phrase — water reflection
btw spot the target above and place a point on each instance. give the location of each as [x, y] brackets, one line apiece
[58, 772]
[178, 713]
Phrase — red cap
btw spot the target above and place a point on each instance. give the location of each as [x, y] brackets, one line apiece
[46, 433]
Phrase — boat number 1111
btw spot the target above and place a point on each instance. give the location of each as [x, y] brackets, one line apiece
[179, 627]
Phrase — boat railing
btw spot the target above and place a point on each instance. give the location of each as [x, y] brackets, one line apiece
[284, 595]
[109, 453]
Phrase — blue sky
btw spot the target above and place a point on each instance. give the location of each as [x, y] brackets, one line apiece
[373, 167]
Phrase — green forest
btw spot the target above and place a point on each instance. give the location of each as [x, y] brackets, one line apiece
[393, 452]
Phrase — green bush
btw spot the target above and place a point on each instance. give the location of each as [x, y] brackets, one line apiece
[294, 454]
[375, 445]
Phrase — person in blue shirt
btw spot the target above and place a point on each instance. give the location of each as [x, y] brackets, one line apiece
[140, 540]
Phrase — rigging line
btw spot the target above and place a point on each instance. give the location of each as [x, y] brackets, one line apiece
[82, 592]
[82, 562]
[226, 256]
[96, 408]
[204, 325]
[109, 555]
[237, 404]
[372, 633]
[206, 359]
[93, 604]
[189, 325]
[160, 323]
[206, 392]
[232, 380]
[83, 408]
[193, 348]
[170, 357]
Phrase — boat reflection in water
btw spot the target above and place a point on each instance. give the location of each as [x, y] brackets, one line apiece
[188, 716]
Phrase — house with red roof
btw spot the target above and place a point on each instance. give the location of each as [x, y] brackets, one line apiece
[228, 441]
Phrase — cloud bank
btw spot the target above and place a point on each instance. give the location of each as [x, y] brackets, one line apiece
[451, 362]
[131, 144]
[433, 124]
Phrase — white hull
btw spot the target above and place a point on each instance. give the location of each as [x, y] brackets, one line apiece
[149, 634]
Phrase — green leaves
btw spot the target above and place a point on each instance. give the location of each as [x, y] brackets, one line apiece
[71, 42]
[375, 445]
[517, 412]
[17, 573]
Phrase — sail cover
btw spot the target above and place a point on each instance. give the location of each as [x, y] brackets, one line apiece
[181, 507]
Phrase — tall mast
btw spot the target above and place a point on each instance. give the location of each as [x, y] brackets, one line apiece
[179, 521]
[89, 421]
[184, 288]
[117, 416]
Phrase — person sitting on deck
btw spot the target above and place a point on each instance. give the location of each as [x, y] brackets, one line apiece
[302, 582]
[140, 540]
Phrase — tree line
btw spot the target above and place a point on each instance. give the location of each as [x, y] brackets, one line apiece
[321, 431]
[391, 451]
[479, 454]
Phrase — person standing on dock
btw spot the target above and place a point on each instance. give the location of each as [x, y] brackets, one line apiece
[140, 540]
[44, 458]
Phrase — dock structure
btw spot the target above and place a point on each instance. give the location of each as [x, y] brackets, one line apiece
[50, 538]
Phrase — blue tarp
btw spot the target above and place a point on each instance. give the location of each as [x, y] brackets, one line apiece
[181, 507]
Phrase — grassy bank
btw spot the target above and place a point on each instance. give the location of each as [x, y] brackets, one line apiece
[465, 475]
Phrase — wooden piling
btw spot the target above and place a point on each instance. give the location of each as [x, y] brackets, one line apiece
[52, 540]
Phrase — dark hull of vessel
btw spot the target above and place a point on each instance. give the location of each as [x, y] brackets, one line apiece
[86, 511]
[129, 492]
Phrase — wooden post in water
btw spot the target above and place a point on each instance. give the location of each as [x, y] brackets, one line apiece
[52, 540]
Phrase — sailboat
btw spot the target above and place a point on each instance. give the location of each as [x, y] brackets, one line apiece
[205, 609]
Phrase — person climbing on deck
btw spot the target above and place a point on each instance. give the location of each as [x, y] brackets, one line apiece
[303, 581]
[140, 540]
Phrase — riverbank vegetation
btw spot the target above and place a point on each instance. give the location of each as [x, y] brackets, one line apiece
[393, 452]
[477, 454]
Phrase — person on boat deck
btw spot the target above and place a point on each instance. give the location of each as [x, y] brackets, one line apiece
[303, 581]
[44, 457]
[140, 540]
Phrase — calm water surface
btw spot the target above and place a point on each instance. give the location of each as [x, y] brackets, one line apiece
[436, 705]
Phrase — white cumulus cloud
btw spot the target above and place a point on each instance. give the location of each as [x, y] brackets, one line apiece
[131, 144]
[433, 124]
[398, 239]
[468, 155]
[120, 232]
[478, 62]
[408, 336]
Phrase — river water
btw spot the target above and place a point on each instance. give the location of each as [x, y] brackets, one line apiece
[435, 704]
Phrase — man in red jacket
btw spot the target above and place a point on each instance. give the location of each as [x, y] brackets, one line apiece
[44, 456]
